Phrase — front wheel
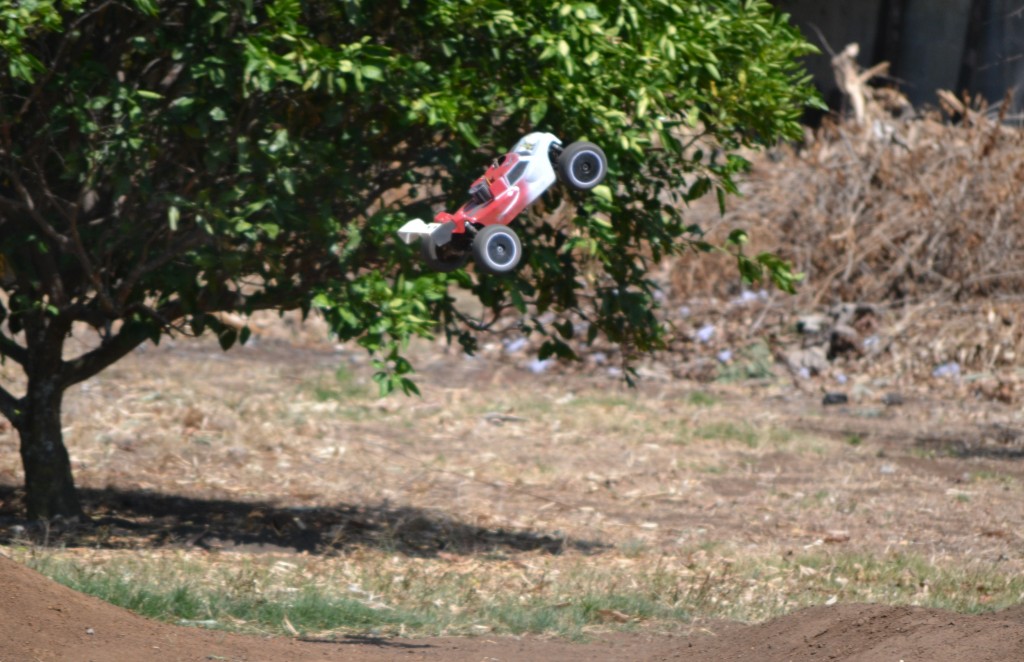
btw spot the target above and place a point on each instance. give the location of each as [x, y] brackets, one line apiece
[582, 165]
[497, 249]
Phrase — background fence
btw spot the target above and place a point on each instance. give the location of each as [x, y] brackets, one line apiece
[974, 46]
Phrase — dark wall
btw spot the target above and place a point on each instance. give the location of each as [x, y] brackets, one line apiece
[975, 46]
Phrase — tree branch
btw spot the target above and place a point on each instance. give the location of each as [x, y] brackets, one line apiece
[187, 243]
[9, 406]
[48, 263]
[12, 350]
[71, 32]
[12, 207]
[110, 352]
[28, 205]
[83, 258]
[130, 337]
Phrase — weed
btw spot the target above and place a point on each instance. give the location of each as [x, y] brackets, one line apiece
[995, 476]
[634, 548]
[702, 399]
[752, 363]
[340, 386]
[780, 436]
[604, 401]
[728, 431]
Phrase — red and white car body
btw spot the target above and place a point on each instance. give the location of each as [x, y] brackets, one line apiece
[480, 228]
[511, 184]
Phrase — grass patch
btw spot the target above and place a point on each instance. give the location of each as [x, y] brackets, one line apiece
[246, 600]
[702, 399]
[603, 401]
[341, 386]
[380, 595]
[386, 594]
[728, 431]
[906, 579]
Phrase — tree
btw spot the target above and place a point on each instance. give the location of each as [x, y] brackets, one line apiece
[162, 161]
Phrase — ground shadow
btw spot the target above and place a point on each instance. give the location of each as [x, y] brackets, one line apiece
[368, 641]
[135, 519]
[992, 442]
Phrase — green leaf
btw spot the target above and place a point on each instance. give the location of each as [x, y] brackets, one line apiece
[372, 72]
[272, 230]
[602, 191]
[538, 111]
[227, 337]
[738, 237]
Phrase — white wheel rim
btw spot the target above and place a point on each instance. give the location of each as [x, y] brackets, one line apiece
[501, 250]
[576, 160]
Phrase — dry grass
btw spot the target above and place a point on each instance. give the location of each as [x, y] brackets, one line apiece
[503, 501]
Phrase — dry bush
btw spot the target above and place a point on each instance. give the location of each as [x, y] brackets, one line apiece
[912, 210]
[913, 213]
[892, 206]
[906, 207]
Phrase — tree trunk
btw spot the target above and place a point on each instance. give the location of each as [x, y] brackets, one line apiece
[49, 485]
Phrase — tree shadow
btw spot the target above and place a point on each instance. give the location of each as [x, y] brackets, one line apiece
[134, 519]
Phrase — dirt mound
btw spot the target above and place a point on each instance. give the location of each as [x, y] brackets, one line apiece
[877, 632]
[43, 620]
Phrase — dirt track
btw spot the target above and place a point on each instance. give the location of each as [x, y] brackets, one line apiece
[45, 621]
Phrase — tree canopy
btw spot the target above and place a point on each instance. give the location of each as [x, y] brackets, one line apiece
[165, 160]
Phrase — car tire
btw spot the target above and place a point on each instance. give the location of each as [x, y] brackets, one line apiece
[442, 258]
[497, 249]
[582, 165]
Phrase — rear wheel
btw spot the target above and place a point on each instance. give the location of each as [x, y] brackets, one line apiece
[447, 257]
[582, 165]
[497, 249]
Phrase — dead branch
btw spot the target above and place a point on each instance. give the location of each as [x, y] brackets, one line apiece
[852, 81]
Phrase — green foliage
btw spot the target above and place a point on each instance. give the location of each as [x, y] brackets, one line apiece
[162, 161]
[219, 156]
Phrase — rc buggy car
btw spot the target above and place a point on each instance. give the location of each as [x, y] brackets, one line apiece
[512, 183]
